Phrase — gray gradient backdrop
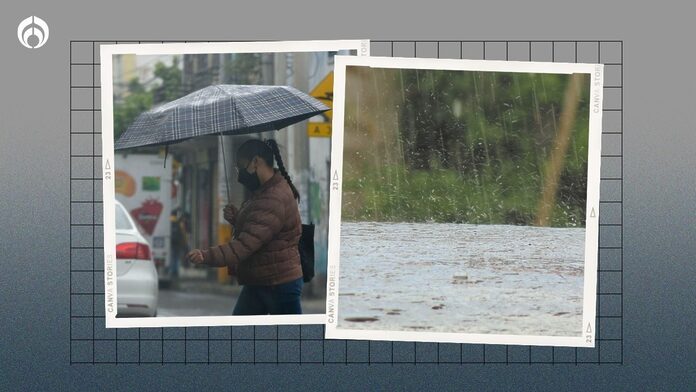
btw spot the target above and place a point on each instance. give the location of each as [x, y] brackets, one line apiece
[659, 183]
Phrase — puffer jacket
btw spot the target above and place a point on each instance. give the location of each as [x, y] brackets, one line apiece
[267, 229]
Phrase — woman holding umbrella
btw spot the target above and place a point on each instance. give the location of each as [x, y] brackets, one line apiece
[263, 252]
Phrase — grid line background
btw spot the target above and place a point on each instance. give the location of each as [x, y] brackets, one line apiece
[92, 343]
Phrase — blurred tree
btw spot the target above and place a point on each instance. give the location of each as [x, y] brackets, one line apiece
[475, 147]
[137, 101]
[170, 87]
[243, 68]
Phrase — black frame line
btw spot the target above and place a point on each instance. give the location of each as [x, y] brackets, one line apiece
[304, 344]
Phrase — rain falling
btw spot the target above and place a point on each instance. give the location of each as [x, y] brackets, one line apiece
[463, 203]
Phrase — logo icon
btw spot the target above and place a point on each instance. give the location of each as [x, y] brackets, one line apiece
[32, 32]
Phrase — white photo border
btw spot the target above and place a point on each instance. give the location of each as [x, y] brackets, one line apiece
[586, 336]
[362, 48]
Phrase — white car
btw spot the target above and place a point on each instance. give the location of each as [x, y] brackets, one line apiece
[136, 280]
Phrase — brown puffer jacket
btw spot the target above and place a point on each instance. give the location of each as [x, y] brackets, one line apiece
[267, 229]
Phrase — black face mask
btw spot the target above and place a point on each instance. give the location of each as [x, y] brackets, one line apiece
[249, 180]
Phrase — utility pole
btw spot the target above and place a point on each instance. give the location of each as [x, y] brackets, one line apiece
[280, 72]
[294, 143]
[298, 133]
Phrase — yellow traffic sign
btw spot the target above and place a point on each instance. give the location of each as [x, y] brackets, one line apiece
[324, 92]
[322, 129]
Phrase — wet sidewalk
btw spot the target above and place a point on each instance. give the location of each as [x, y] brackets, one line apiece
[200, 297]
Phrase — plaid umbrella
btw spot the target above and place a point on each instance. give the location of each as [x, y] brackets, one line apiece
[217, 110]
[220, 109]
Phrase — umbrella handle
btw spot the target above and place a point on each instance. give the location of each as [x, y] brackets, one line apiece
[224, 164]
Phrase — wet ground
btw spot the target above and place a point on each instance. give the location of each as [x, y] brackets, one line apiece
[178, 303]
[206, 302]
[441, 277]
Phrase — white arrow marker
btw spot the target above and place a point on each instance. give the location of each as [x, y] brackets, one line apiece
[107, 167]
[589, 328]
[335, 176]
[592, 213]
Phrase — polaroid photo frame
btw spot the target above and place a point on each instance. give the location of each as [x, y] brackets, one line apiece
[361, 47]
[359, 307]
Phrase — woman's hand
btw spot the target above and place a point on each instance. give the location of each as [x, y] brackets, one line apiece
[195, 256]
[230, 213]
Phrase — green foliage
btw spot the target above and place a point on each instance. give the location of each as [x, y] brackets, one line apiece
[472, 148]
[170, 88]
[243, 68]
[443, 195]
[137, 101]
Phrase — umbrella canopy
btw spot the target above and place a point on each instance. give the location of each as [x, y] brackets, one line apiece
[220, 109]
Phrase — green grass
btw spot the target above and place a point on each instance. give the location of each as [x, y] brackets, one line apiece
[394, 194]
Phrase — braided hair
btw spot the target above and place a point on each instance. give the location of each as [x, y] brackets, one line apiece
[276, 152]
[267, 150]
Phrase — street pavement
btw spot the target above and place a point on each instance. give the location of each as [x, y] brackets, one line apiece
[204, 299]
[181, 303]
